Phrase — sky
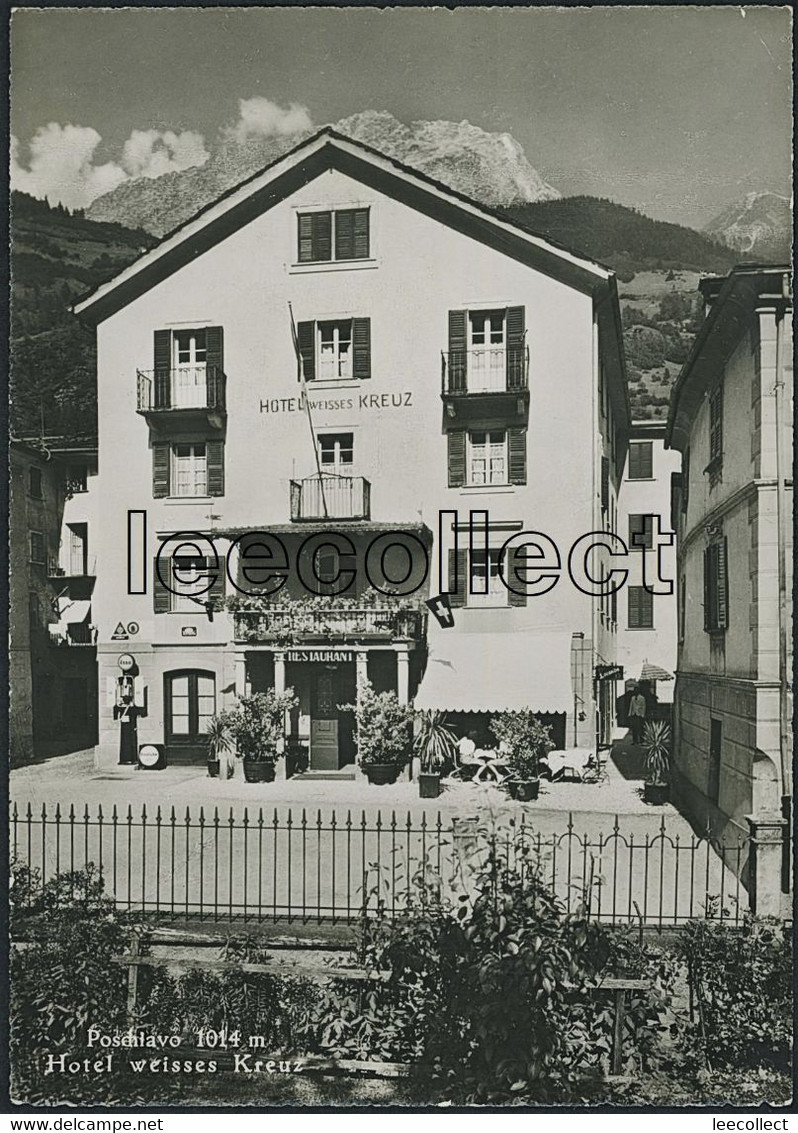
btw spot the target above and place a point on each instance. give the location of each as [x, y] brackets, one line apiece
[675, 111]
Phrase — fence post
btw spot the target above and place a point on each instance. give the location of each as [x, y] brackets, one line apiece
[764, 863]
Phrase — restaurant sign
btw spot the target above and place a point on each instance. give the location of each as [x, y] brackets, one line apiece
[324, 655]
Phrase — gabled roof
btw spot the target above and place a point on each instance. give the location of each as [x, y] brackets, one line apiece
[733, 299]
[330, 150]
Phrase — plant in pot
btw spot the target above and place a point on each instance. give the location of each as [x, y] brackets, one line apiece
[656, 745]
[383, 733]
[219, 740]
[257, 725]
[526, 742]
[435, 746]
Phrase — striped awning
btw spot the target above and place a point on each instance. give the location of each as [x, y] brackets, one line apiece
[495, 672]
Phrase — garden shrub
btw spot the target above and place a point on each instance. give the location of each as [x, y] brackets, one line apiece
[742, 988]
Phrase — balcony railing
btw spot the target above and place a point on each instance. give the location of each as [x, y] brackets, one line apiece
[78, 566]
[330, 497]
[184, 388]
[488, 370]
[77, 633]
[292, 624]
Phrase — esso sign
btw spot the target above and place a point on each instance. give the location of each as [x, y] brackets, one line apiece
[126, 662]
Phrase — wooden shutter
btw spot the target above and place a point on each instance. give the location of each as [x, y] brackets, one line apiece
[517, 557]
[306, 334]
[707, 612]
[305, 232]
[361, 348]
[458, 581]
[163, 365]
[516, 455]
[160, 595]
[214, 366]
[161, 470]
[722, 585]
[516, 347]
[605, 483]
[458, 364]
[685, 478]
[214, 457]
[456, 441]
[344, 234]
[321, 223]
[216, 592]
[362, 235]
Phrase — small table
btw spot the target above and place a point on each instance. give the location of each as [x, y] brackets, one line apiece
[573, 759]
[492, 767]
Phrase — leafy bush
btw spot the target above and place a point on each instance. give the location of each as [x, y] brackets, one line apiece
[382, 727]
[525, 739]
[257, 724]
[742, 986]
[657, 745]
[435, 743]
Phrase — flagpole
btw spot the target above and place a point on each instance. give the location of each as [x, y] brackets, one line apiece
[304, 392]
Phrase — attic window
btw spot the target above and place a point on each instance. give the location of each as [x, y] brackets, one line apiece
[342, 234]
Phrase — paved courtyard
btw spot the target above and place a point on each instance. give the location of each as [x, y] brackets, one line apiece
[181, 843]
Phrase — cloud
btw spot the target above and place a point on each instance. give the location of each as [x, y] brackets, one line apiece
[261, 118]
[61, 166]
[151, 153]
[61, 161]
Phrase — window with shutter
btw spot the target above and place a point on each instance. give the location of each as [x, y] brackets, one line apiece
[189, 568]
[338, 236]
[640, 460]
[640, 608]
[641, 531]
[456, 441]
[38, 551]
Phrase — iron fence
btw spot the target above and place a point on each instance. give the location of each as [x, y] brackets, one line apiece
[321, 867]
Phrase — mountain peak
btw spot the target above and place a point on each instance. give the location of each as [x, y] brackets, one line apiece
[491, 168]
[759, 225]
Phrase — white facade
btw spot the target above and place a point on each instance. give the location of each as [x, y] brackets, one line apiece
[429, 254]
[734, 512]
[647, 626]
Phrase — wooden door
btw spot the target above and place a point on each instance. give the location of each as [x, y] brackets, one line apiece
[324, 721]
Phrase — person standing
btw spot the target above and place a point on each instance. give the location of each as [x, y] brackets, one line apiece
[637, 714]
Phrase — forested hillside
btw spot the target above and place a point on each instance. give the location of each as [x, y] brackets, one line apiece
[55, 257]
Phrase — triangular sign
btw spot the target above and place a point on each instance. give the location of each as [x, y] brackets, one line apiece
[120, 633]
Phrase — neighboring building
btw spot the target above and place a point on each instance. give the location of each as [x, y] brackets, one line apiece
[731, 418]
[647, 621]
[454, 362]
[53, 666]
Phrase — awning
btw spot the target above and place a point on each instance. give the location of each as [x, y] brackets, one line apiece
[71, 611]
[493, 672]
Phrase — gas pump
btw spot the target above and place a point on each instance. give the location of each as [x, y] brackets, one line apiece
[128, 701]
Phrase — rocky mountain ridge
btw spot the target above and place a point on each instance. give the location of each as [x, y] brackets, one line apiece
[758, 226]
[492, 168]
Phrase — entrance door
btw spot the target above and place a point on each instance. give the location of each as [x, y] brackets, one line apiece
[324, 721]
[190, 702]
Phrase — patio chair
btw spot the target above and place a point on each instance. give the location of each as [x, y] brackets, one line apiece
[596, 769]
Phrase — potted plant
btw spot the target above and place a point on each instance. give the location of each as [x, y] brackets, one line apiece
[526, 742]
[257, 725]
[656, 744]
[383, 735]
[435, 746]
[219, 740]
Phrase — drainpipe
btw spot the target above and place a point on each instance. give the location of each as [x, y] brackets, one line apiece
[781, 525]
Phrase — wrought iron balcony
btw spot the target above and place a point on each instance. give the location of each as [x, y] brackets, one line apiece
[76, 566]
[330, 497]
[486, 370]
[77, 633]
[290, 625]
[189, 391]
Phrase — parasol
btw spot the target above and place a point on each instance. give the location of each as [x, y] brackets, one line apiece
[654, 673]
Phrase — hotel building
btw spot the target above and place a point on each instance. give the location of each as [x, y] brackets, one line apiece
[454, 364]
